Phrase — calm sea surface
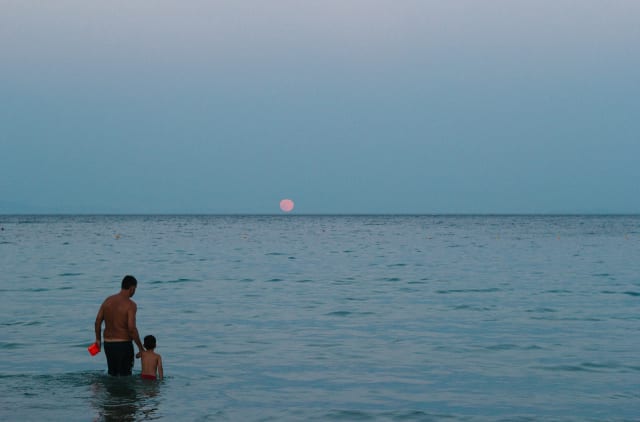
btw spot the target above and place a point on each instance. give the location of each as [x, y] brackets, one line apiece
[460, 318]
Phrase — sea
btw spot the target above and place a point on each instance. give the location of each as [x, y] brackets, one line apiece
[326, 318]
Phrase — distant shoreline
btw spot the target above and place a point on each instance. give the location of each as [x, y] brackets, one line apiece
[293, 215]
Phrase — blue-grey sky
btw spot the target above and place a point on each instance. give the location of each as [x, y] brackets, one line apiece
[344, 106]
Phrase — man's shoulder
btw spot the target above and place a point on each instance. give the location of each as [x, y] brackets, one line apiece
[119, 301]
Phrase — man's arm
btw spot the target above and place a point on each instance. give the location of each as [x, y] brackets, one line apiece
[131, 324]
[98, 325]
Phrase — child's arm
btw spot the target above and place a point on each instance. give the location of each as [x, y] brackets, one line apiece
[160, 372]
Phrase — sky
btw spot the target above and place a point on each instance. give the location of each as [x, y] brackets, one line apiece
[343, 106]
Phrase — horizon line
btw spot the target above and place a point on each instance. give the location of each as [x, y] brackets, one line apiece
[292, 214]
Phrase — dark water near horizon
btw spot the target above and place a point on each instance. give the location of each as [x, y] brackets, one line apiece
[408, 318]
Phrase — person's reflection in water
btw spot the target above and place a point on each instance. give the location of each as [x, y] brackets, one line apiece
[124, 399]
[149, 391]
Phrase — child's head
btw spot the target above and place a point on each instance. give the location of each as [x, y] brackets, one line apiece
[149, 342]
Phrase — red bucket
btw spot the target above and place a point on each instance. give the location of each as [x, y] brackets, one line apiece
[94, 349]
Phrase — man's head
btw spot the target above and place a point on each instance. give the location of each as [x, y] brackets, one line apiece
[129, 283]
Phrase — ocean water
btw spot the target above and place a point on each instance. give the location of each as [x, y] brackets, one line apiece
[258, 318]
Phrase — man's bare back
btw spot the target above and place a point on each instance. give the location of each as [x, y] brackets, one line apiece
[119, 317]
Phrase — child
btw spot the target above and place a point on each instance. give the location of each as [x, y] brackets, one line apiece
[151, 361]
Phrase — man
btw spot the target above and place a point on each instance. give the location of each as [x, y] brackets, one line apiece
[119, 315]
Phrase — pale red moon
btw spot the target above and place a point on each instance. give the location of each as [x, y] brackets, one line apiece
[286, 205]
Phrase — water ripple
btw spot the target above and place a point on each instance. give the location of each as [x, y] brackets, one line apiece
[452, 291]
[339, 313]
[10, 345]
[592, 367]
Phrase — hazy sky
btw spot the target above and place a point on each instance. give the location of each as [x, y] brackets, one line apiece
[344, 106]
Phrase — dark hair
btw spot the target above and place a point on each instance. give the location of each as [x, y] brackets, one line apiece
[149, 342]
[129, 281]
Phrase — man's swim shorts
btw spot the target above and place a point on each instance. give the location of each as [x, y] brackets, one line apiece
[119, 357]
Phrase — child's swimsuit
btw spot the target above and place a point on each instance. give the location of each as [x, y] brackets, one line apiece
[148, 377]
